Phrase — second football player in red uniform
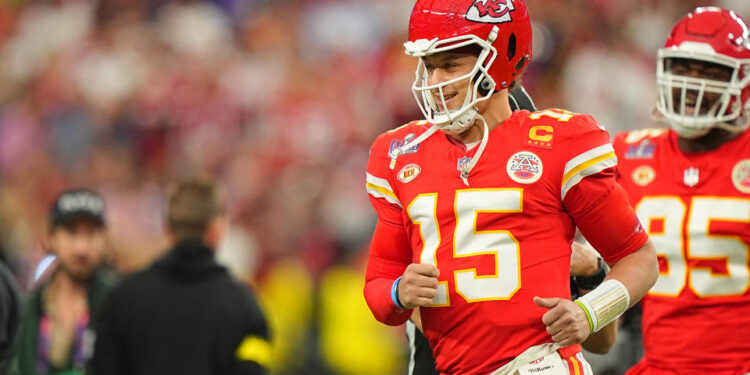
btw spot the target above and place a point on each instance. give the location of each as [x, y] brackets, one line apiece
[477, 205]
[690, 186]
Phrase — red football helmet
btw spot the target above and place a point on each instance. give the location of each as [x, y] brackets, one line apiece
[709, 35]
[500, 28]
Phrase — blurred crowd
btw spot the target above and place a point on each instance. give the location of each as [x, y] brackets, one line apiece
[279, 101]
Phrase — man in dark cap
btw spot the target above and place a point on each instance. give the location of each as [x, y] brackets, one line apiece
[185, 314]
[57, 331]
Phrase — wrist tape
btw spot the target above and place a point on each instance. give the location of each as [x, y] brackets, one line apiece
[605, 303]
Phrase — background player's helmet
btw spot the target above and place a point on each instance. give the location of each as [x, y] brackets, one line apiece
[500, 28]
[712, 35]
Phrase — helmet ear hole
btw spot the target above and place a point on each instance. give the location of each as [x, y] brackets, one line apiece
[520, 64]
[511, 47]
[483, 84]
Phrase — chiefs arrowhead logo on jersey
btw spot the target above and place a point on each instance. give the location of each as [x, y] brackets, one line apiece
[490, 11]
[524, 167]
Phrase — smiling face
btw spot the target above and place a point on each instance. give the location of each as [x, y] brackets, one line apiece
[446, 66]
[702, 70]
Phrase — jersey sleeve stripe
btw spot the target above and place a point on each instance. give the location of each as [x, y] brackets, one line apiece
[585, 157]
[378, 192]
[377, 181]
[586, 164]
[380, 188]
[587, 169]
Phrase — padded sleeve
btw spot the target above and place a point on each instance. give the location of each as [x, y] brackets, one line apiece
[609, 223]
[390, 253]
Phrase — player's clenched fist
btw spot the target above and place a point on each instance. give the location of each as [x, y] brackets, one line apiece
[566, 321]
[418, 285]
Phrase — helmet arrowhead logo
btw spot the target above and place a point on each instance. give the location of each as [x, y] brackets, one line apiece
[490, 11]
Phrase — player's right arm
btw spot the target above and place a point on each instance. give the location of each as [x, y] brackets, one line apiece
[386, 264]
[393, 285]
[389, 264]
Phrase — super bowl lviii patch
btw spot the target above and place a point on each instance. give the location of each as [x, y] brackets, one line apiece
[396, 143]
[524, 167]
[643, 150]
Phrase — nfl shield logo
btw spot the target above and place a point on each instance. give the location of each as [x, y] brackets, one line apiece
[691, 176]
[462, 163]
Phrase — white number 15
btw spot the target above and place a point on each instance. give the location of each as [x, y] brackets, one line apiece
[468, 241]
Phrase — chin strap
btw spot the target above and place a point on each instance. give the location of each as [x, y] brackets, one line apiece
[738, 125]
[485, 136]
[465, 171]
[399, 150]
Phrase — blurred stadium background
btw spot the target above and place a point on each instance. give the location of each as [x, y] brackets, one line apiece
[279, 100]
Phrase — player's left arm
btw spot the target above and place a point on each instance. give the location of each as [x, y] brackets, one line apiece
[600, 208]
[614, 230]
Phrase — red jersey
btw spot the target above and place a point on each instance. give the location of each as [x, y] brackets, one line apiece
[696, 207]
[499, 241]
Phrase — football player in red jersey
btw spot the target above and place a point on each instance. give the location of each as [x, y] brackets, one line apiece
[690, 186]
[587, 271]
[477, 205]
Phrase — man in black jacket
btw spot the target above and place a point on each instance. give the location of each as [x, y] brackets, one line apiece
[185, 314]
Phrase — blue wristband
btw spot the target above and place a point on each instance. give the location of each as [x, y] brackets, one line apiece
[394, 294]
